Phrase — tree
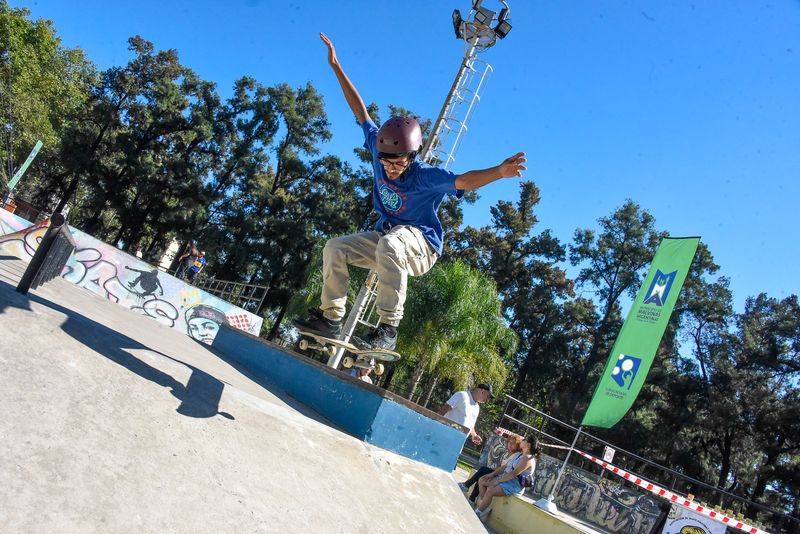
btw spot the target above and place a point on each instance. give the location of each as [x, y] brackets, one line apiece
[42, 83]
[453, 328]
[275, 211]
[533, 289]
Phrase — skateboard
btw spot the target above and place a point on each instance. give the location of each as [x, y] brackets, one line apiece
[363, 358]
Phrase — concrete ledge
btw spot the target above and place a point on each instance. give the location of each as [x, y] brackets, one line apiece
[516, 515]
[365, 411]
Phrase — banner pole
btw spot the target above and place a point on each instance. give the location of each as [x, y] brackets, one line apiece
[547, 503]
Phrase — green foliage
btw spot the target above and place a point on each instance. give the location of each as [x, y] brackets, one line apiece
[532, 288]
[453, 329]
[148, 152]
[42, 84]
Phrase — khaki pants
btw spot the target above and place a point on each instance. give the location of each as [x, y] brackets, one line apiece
[401, 252]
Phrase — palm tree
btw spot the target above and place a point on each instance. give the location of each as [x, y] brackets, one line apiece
[453, 329]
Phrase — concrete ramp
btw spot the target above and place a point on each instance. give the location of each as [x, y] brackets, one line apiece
[115, 423]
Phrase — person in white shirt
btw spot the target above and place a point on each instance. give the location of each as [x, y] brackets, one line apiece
[463, 408]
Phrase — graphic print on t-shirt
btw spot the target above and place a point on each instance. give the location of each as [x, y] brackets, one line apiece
[392, 199]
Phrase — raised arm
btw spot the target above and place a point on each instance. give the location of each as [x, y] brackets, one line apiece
[348, 89]
[510, 167]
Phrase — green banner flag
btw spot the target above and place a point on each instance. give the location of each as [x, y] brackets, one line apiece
[17, 175]
[636, 344]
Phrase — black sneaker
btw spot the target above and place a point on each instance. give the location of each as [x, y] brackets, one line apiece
[318, 324]
[383, 337]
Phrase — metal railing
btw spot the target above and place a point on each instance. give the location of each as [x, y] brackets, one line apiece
[534, 420]
[249, 297]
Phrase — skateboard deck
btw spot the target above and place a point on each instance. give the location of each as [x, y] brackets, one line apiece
[326, 344]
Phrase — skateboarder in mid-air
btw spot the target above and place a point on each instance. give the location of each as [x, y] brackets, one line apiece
[407, 239]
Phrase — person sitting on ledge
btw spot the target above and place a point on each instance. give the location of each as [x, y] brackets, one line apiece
[512, 446]
[509, 479]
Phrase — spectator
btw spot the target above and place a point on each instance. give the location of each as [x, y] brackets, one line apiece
[513, 443]
[463, 408]
[186, 260]
[509, 479]
[196, 267]
[362, 373]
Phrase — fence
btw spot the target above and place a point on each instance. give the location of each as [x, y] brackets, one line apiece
[21, 208]
[523, 419]
[249, 297]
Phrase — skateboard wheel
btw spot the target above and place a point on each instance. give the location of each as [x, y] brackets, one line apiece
[303, 344]
[331, 351]
[379, 369]
[347, 362]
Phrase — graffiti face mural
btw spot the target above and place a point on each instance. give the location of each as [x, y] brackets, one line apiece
[128, 281]
[203, 322]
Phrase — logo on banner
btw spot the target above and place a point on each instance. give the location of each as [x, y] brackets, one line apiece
[659, 289]
[684, 521]
[625, 370]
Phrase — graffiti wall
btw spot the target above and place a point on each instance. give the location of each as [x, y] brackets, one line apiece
[584, 495]
[132, 283]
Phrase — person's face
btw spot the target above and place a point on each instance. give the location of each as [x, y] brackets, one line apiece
[511, 445]
[481, 396]
[363, 372]
[395, 166]
[202, 329]
[526, 446]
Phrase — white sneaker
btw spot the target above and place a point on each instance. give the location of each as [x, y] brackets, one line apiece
[463, 487]
[483, 515]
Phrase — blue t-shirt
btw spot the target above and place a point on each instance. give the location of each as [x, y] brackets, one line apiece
[198, 264]
[412, 199]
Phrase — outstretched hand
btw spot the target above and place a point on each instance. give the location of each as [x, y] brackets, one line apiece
[513, 166]
[332, 60]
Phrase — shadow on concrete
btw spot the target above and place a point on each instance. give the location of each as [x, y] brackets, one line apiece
[259, 378]
[199, 397]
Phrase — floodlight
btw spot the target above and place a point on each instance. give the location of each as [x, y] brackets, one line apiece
[484, 16]
[457, 22]
[502, 29]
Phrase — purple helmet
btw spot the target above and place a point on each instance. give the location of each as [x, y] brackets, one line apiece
[399, 135]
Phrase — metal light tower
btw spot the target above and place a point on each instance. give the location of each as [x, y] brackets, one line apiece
[480, 31]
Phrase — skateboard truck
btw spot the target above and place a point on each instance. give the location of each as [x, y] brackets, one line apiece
[364, 363]
[364, 358]
[330, 350]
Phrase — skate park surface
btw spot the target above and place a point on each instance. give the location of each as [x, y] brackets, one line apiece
[115, 423]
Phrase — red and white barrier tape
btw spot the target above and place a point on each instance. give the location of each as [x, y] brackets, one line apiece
[551, 446]
[500, 431]
[674, 497]
[654, 488]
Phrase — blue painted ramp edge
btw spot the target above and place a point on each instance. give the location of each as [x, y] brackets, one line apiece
[365, 411]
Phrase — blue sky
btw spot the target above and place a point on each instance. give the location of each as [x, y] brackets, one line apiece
[692, 109]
